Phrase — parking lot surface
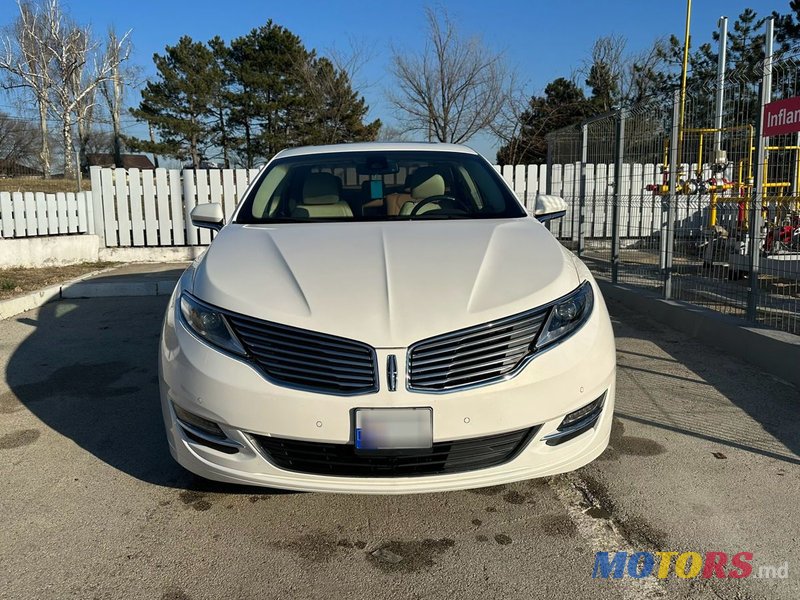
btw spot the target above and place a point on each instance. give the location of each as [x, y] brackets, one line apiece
[703, 457]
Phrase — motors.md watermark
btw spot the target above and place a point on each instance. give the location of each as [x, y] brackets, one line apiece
[684, 565]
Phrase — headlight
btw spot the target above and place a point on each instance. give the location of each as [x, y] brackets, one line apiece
[567, 315]
[209, 324]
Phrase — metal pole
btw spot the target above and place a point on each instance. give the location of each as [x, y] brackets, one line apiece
[618, 157]
[684, 70]
[721, 63]
[796, 180]
[754, 231]
[672, 198]
[582, 198]
[78, 168]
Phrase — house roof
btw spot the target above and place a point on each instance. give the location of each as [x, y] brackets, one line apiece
[129, 161]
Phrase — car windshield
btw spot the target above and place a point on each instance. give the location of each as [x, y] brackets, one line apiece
[378, 186]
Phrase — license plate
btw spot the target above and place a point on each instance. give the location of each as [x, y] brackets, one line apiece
[380, 429]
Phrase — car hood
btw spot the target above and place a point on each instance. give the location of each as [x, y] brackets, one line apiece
[386, 284]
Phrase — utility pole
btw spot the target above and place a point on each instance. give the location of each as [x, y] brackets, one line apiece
[722, 58]
[757, 201]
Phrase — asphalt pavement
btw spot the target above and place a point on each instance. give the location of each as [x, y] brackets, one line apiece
[704, 457]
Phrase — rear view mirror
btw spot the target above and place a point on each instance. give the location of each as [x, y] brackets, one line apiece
[549, 207]
[377, 165]
[210, 216]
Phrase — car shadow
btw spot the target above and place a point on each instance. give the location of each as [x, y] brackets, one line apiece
[88, 370]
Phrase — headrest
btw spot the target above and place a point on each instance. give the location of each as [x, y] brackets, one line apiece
[425, 182]
[321, 188]
[432, 186]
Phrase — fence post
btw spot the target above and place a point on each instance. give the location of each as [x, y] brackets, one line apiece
[754, 229]
[97, 205]
[618, 158]
[582, 196]
[671, 207]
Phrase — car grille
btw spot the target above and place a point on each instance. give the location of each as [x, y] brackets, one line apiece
[308, 360]
[444, 457]
[473, 356]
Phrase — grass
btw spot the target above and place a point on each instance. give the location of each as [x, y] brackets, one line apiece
[48, 186]
[18, 280]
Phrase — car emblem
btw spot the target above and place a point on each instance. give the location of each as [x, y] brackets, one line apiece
[391, 372]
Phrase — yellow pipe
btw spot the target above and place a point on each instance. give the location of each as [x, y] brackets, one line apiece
[797, 170]
[712, 216]
[699, 171]
[741, 173]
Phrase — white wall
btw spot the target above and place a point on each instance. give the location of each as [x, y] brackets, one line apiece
[48, 251]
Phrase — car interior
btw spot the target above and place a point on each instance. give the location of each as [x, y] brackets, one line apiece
[312, 192]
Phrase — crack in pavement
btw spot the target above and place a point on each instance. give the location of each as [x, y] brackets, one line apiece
[597, 527]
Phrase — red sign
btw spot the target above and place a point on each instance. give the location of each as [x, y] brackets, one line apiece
[781, 116]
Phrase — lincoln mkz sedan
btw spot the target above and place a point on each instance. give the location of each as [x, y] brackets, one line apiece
[385, 318]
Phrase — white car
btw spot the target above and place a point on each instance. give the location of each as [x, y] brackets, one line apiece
[385, 318]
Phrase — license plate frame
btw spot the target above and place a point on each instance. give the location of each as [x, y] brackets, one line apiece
[392, 430]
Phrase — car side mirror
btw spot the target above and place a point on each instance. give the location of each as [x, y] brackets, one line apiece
[549, 207]
[209, 215]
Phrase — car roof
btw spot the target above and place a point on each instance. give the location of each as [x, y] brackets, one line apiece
[376, 147]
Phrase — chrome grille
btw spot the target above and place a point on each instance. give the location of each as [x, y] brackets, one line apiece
[306, 359]
[473, 356]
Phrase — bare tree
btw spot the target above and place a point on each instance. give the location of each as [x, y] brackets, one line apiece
[17, 144]
[27, 62]
[508, 124]
[390, 133]
[618, 77]
[452, 90]
[113, 88]
[81, 67]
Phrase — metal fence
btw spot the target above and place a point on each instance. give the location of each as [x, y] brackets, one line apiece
[719, 230]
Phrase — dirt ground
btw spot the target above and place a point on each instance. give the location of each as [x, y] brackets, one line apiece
[49, 186]
[16, 281]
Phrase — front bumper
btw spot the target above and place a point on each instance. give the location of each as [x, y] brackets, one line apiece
[230, 392]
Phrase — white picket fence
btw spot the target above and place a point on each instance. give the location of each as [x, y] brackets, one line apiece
[132, 207]
[27, 214]
[152, 207]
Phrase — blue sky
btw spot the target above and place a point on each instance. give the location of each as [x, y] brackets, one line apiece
[541, 39]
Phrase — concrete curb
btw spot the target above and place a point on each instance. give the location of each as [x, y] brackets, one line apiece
[116, 290]
[776, 352]
[80, 288]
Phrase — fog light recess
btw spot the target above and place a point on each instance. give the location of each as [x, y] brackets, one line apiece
[204, 432]
[577, 422]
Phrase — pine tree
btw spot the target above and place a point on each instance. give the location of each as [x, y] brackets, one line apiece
[563, 104]
[336, 112]
[180, 103]
[267, 100]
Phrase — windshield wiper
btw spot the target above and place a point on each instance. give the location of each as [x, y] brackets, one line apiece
[426, 216]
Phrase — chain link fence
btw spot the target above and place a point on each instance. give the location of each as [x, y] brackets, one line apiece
[720, 228]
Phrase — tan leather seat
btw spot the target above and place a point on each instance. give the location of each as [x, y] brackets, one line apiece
[321, 198]
[422, 183]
